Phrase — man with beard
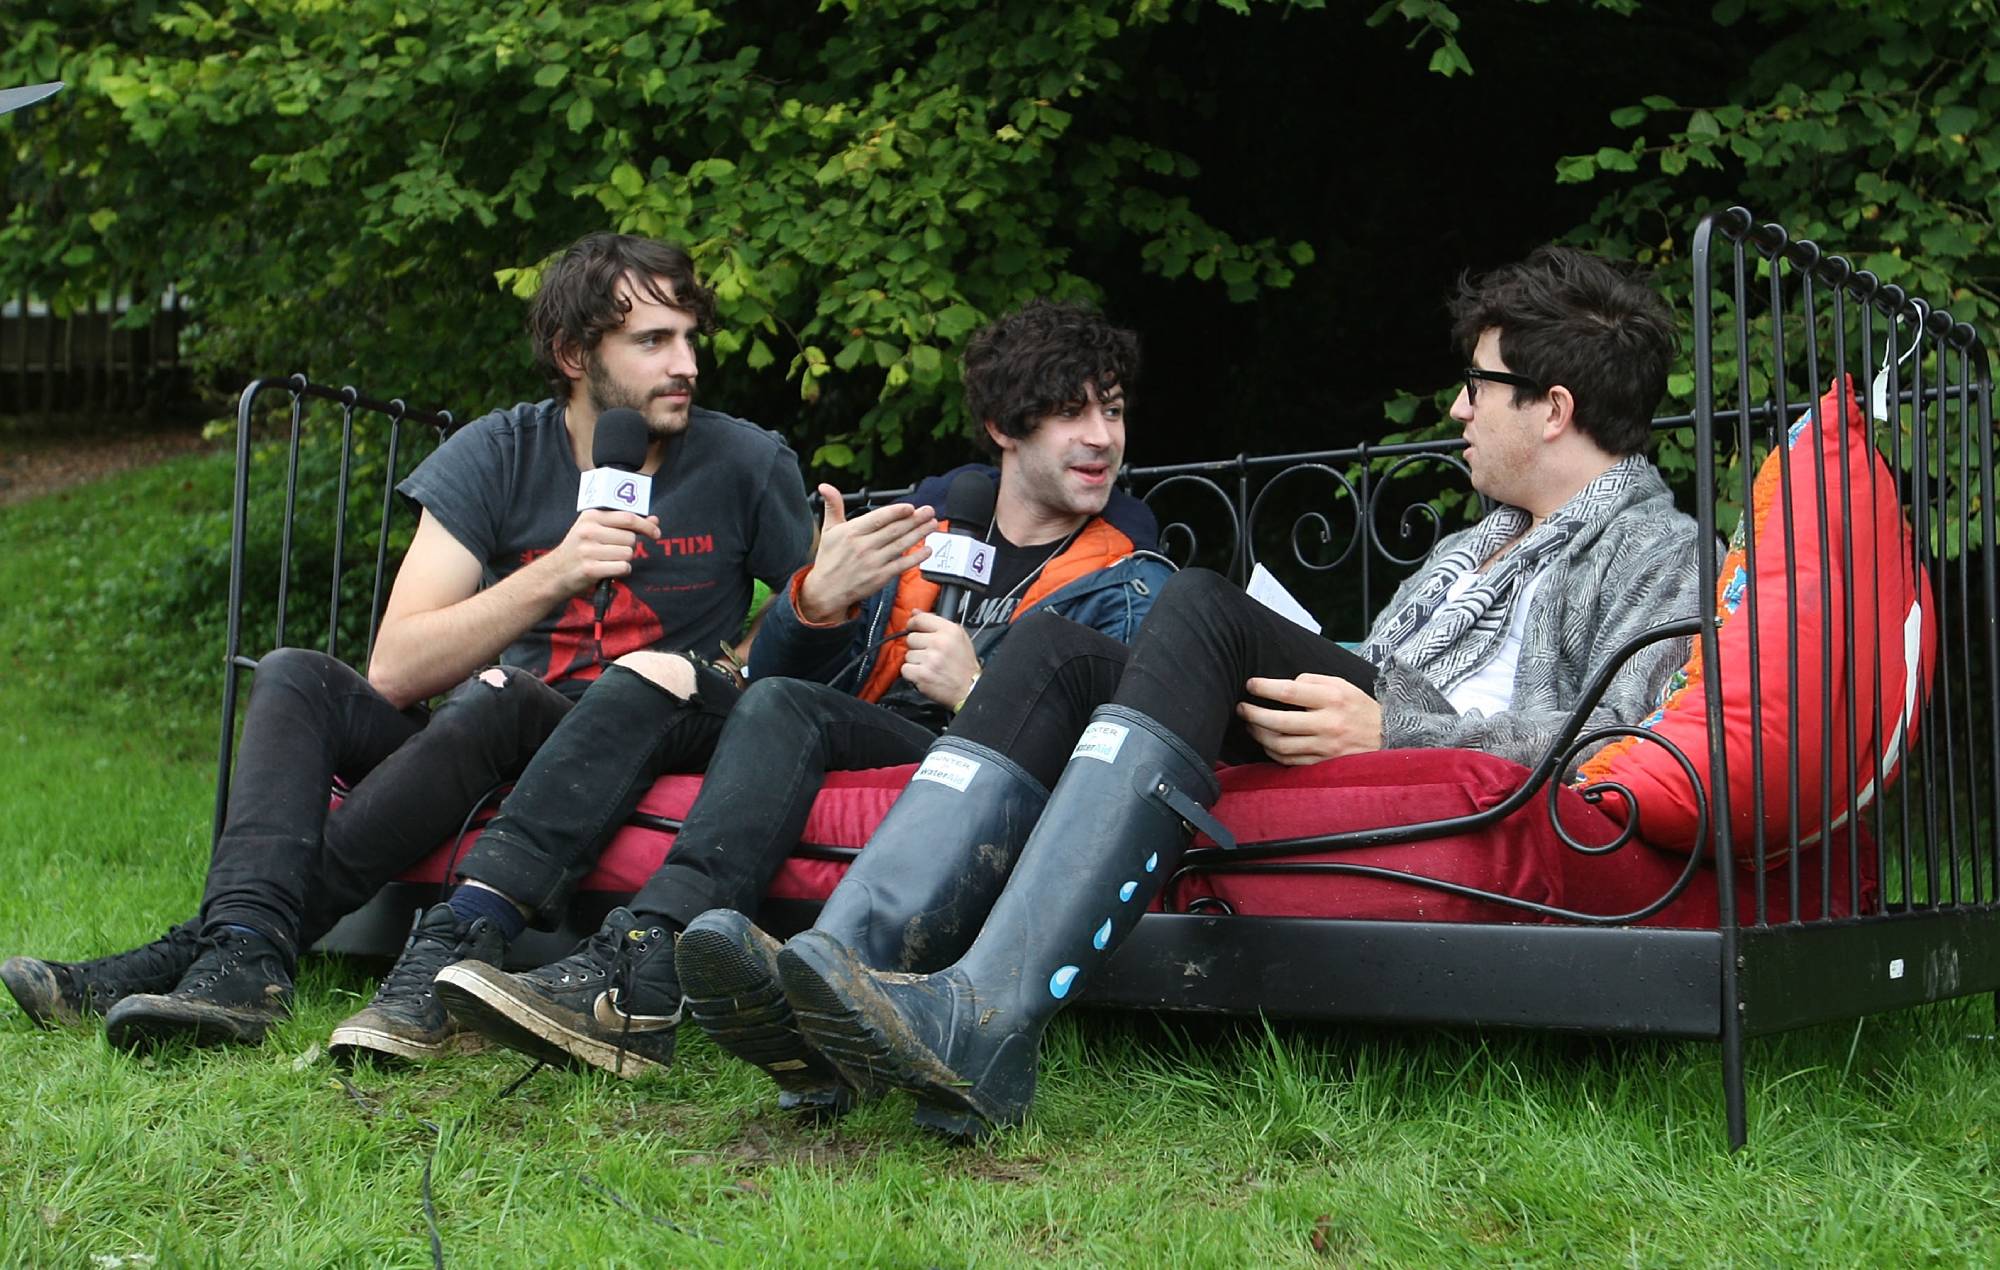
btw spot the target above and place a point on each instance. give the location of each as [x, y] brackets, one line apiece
[851, 670]
[500, 575]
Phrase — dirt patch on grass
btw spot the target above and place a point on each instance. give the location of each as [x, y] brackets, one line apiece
[34, 464]
[766, 1140]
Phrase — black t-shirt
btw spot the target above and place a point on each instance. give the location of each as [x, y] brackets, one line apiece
[731, 507]
[1013, 570]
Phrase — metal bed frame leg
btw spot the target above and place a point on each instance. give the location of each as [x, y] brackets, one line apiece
[1732, 1077]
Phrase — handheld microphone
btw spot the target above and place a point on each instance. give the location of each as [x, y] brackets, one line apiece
[613, 484]
[961, 562]
[617, 452]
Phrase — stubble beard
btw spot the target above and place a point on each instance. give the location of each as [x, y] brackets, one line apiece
[606, 394]
[1073, 500]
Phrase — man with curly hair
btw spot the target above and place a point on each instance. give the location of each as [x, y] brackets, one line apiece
[850, 670]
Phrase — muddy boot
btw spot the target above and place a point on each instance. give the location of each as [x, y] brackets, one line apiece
[235, 991]
[613, 1003]
[911, 901]
[965, 1040]
[406, 1019]
[68, 991]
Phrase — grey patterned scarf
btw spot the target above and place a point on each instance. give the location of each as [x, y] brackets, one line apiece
[1448, 641]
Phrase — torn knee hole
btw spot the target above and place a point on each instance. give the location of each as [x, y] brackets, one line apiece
[493, 677]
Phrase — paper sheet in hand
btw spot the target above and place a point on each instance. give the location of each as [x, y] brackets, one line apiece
[1271, 593]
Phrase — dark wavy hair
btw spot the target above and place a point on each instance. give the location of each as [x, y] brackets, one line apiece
[1023, 367]
[579, 301]
[1567, 317]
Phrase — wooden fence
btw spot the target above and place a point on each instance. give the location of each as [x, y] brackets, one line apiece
[90, 362]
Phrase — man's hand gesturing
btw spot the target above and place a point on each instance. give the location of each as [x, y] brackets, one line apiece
[856, 557]
[599, 546]
[940, 663]
[1334, 718]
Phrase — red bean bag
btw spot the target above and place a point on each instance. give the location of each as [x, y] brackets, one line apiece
[1850, 604]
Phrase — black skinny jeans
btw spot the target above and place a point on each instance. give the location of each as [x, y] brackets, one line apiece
[775, 752]
[286, 867]
[1203, 638]
[766, 752]
[625, 733]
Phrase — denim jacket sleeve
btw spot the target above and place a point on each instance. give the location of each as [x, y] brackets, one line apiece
[787, 645]
[1115, 599]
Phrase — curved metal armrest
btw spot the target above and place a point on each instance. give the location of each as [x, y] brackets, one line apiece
[1278, 855]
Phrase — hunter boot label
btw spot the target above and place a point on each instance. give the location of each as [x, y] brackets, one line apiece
[1100, 741]
[947, 768]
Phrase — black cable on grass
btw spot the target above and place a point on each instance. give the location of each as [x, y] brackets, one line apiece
[519, 1081]
[373, 1111]
[430, 1209]
[661, 1222]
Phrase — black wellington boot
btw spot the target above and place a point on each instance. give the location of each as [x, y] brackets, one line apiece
[912, 900]
[965, 1040]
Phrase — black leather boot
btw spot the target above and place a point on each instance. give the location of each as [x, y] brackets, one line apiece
[965, 1040]
[912, 900]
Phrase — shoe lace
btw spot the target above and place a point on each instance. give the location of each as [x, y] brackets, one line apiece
[624, 964]
[168, 957]
[218, 953]
[598, 956]
[422, 958]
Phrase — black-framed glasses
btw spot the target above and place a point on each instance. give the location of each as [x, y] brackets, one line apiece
[1475, 375]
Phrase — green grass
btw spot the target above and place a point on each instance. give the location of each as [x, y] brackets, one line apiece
[1154, 1141]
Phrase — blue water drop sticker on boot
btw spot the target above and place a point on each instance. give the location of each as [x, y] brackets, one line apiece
[1127, 891]
[1152, 862]
[1060, 981]
[1102, 937]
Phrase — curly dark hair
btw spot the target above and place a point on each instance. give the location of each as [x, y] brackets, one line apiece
[579, 301]
[1025, 366]
[1570, 318]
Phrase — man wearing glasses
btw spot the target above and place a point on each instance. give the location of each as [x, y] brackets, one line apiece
[1488, 646]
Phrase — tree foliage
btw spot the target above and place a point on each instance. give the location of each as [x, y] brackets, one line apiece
[342, 184]
[1869, 127]
[339, 187]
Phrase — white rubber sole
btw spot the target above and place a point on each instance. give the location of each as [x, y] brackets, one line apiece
[470, 992]
[357, 1040]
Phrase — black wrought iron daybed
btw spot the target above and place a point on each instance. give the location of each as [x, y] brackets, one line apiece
[1868, 867]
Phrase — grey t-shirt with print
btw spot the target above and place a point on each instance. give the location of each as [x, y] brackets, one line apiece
[731, 507]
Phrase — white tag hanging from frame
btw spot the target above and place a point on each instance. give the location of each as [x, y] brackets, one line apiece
[1878, 392]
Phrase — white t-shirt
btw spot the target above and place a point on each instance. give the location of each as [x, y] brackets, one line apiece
[1490, 689]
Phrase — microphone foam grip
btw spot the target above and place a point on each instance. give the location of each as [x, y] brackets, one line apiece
[968, 503]
[620, 440]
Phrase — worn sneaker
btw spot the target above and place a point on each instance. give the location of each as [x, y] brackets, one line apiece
[237, 988]
[613, 1003]
[406, 1019]
[66, 991]
[729, 971]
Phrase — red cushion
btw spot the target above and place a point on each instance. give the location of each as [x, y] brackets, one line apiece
[847, 810]
[1829, 449]
[1520, 856]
